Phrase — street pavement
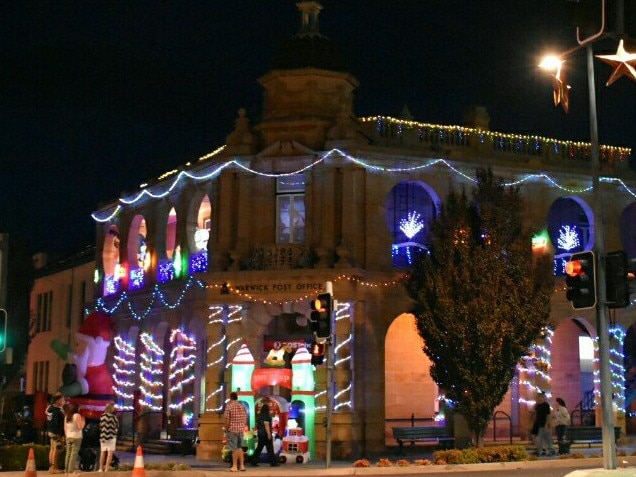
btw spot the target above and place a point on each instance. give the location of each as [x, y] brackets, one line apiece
[593, 464]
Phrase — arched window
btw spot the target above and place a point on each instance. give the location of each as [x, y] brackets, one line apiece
[199, 255]
[170, 267]
[138, 253]
[411, 207]
[110, 260]
[571, 229]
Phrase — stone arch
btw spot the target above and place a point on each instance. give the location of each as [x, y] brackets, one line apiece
[572, 366]
[408, 386]
[627, 229]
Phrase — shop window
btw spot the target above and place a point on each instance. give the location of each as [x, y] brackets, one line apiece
[290, 209]
[166, 270]
[138, 253]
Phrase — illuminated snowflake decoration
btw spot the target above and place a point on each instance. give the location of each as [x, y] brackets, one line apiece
[568, 238]
[411, 225]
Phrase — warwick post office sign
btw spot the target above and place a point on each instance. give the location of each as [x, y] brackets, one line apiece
[279, 287]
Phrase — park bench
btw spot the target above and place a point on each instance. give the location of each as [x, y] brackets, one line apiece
[587, 435]
[438, 434]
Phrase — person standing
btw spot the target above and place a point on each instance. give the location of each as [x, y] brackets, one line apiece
[561, 418]
[73, 429]
[265, 437]
[55, 429]
[542, 420]
[108, 429]
[235, 417]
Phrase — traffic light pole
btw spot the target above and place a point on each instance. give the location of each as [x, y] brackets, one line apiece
[607, 412]
[331, 358]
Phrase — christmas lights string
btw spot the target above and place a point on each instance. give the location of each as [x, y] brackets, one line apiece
[151, 374]
[158, 191]
[617, 370]
[218, 353]
[124, 376]
[534, 369]
[157, 295]
[181, 370]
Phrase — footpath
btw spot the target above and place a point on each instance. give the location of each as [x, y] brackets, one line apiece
[591, 466]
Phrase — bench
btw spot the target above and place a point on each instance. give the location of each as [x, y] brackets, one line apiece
[587, 435]
[185, 439]
[438, 434]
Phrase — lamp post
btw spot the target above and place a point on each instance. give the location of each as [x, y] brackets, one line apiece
[561, 96]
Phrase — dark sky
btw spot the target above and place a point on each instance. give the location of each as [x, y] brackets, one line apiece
[98, 97]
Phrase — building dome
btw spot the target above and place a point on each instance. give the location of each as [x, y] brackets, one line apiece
[309, 48]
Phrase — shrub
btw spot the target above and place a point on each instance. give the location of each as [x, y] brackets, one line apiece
[384, 463]
[14, 457]
[362, 463]
[403, 463]
[482, 454]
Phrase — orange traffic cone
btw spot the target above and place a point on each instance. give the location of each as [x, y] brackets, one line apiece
[138, 468]
[29, 471]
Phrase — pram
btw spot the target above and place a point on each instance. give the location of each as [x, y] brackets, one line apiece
[90, 448]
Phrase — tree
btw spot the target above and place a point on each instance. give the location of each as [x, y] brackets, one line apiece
[480, 297]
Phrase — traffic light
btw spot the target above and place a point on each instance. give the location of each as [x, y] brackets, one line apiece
[322, 308]
[581, 280]
[617, 279]
[317, 353]
[3, 329]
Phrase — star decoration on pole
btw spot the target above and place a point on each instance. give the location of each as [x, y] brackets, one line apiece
[624, 63]
[561, 90]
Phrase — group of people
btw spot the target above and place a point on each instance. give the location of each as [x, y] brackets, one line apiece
[65, 426]
[545, 419]
[235, 419]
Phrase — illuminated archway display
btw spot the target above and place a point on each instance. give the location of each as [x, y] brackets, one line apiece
[410, 207]
[571, 229]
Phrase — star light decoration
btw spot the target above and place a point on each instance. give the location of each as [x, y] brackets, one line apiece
[411, 225]
[624, 63]
[561, 90]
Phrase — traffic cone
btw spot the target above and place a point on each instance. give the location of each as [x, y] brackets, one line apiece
[29, 471]
[138, 468]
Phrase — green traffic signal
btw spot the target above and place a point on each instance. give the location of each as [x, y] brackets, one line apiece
[3, 329]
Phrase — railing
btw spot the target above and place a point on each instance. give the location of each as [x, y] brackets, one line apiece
[392, 131]
[504, 417]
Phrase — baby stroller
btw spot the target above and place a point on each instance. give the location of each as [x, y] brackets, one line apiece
[90, 449]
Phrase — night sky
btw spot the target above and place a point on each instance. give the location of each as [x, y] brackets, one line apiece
[99, 97]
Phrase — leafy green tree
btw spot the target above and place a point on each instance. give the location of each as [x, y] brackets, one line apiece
[481, 297]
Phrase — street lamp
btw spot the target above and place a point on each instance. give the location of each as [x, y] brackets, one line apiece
[624, 65]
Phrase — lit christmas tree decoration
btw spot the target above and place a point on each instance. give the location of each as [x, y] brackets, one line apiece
[411, 225]
[568, 238]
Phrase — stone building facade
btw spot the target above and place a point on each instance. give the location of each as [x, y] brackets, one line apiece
[226, 252]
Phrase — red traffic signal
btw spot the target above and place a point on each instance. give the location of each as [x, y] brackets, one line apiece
[317, 353]
[581, 280]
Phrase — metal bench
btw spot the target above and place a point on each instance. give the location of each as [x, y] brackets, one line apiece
[587, 435]
[438, 434]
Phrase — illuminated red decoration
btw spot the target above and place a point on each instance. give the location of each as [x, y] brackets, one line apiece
[272, 377]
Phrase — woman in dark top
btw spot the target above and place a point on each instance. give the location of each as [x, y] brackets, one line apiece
[265, 438]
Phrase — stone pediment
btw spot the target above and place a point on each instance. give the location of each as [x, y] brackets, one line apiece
[285, 149]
